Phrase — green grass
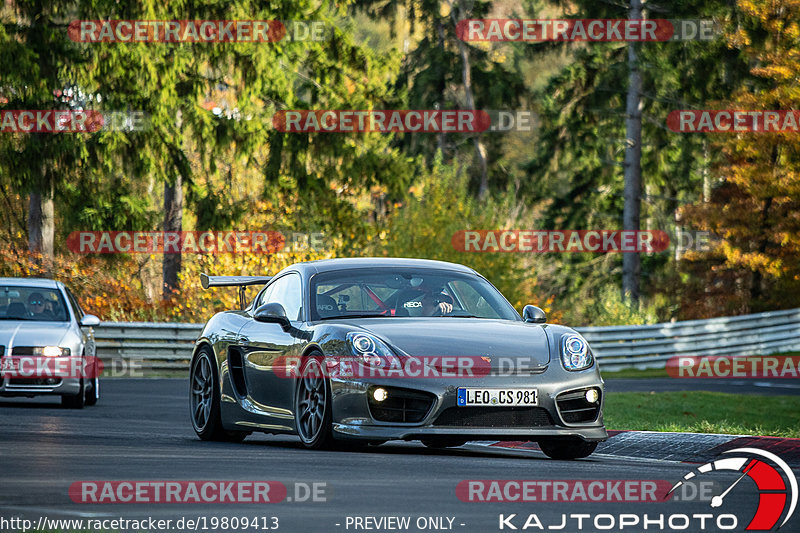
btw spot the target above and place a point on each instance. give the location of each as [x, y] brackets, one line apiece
[704, 412]
[635, 373]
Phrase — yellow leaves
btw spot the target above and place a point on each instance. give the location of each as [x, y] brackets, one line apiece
[778, 72]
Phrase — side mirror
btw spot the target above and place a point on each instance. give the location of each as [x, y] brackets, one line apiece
[89, 321]
[272, 313]
[531, 313]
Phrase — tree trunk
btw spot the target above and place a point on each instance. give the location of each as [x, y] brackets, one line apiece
[41, 222]
[631, 262]
[466, 78]
[173, 221]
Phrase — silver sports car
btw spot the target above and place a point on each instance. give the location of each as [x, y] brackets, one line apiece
[46, 343]
[349, 352]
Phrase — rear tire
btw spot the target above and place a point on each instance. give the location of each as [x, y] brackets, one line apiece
[77, 401]
[567, 449]
[204, 402]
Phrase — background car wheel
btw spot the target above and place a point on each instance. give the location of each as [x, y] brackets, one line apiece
[93, 392]
[312, 413]
[204, 400]
[77, 401]
[569, 448]
[443, 443]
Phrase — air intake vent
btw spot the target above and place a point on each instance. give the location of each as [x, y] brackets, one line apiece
[400, 405]
[495, 417]
[574, 408]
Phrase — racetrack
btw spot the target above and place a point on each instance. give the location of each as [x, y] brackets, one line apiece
[140, 430]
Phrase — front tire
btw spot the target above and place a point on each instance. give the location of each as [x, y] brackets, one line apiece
[78, 400]
[312, 413]
[567, 448]
[93, 392]
[204, 402]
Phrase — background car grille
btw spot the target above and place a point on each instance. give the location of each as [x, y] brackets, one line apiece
[22, 350]
[575, 409]
[401, 405]
[495, 417]
[41, 382]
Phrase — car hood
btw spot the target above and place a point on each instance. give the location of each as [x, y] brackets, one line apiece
[29, 333]
[497, 339]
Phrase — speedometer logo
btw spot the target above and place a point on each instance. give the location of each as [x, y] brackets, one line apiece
[770, 474]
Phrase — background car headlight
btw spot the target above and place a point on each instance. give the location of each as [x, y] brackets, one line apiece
[575, 353]
[51, 351]
[371, 350]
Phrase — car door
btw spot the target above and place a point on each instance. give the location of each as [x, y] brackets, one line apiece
[263, 344]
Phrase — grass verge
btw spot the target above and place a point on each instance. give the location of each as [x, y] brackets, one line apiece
[704, 412]
[635, 373]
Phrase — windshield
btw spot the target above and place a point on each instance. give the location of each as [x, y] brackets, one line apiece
[406, 292]
[32, 303]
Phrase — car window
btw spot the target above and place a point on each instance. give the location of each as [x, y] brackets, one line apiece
[469, 299]
[32, 303]
[286, 291]
[263, 297]
[406, 292]
[73, 302]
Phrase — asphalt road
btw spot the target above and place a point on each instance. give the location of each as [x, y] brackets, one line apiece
[140, 431]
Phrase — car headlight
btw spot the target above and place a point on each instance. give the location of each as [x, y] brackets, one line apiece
[575, 353]
[371, 350]
[51, 351]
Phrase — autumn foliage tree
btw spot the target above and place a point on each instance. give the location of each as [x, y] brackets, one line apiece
[755, 210]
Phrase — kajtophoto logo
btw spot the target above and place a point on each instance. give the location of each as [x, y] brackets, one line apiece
[775, 499]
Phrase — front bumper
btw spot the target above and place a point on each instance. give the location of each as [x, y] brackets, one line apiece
[34, 387]
[354, 419]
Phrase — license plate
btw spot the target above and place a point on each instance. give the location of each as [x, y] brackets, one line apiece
[496, 397]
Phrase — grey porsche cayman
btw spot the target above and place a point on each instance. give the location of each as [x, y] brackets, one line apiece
[349, 352]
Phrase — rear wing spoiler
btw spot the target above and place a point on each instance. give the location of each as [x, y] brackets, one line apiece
[234, 281]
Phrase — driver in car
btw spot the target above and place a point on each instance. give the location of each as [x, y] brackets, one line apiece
[36, 307]
[435, 302]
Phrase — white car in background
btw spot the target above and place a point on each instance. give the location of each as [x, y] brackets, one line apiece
[41, 319]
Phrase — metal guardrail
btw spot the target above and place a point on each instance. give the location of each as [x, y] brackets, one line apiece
[160, 347]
